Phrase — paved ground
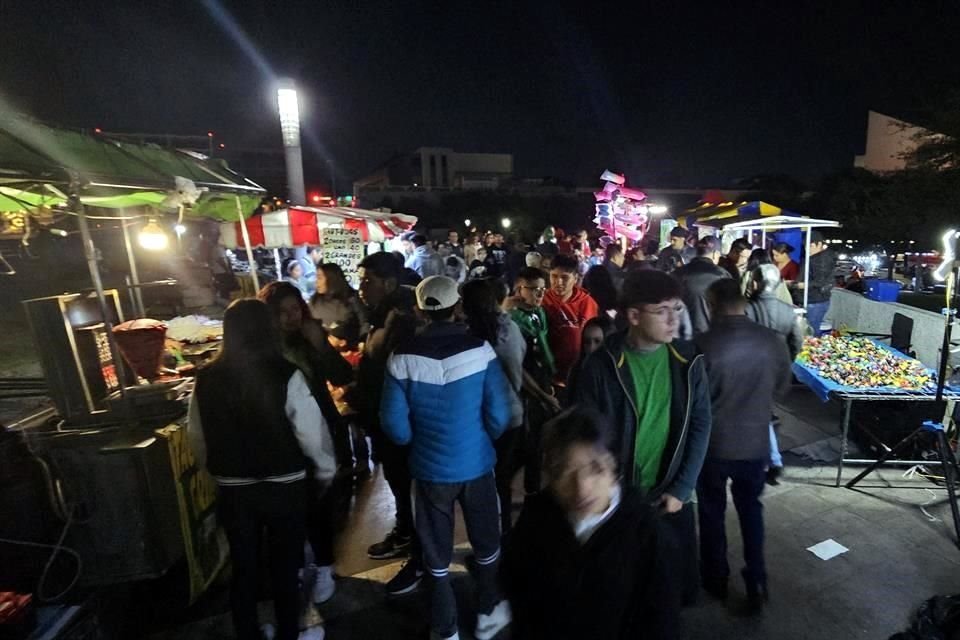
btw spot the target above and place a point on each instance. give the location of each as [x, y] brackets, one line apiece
[898, 556]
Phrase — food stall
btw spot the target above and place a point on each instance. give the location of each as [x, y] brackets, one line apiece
[103, 483]
[342, 233]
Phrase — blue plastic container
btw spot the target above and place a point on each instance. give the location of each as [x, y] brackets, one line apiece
[882, 290]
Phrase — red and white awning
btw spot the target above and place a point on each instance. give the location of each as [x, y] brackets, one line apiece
[298, 226]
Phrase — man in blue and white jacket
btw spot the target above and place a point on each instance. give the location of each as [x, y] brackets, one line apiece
[445, 395]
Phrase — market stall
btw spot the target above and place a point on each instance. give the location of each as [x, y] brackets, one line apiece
[342, 233]
[853, 369]
[118, 488]
[767, 223]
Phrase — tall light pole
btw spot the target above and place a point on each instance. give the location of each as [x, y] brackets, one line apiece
[290, 127]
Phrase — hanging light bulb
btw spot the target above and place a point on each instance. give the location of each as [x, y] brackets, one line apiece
[152, 237]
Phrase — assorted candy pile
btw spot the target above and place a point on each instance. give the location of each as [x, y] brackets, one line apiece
[860, 362]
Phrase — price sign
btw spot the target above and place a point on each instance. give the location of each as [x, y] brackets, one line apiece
[344, 247]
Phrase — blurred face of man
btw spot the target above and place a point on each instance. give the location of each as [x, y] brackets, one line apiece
[677, 242]
[531, 292]
[583, 480]
[290, 318]
[654, 324]
[743, 259]
[373, 289]
[562, 282]
[453, 237]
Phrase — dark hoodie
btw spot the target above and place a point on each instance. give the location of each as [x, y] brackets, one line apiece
[565, 322]
[392, 323]
[605, 384]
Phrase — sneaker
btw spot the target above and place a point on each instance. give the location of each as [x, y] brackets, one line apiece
[323, 584]
[436, 636]
[773, 476]
[406, 581]
[313, 633]
[393, 546]
[490, 624]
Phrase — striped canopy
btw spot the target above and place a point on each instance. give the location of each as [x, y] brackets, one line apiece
[718, 215]
[299, 226]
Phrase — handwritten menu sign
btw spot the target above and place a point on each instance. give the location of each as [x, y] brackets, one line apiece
[344, 247]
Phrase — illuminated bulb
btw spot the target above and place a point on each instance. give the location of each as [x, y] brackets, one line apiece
[466, 222]
[505, 223]
[180, 229]
[152, 237]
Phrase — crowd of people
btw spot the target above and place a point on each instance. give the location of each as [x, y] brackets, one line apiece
[621, 382]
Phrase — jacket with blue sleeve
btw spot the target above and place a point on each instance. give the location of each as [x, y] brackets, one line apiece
[445, 394]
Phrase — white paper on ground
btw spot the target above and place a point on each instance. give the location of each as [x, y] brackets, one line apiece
[827, 549]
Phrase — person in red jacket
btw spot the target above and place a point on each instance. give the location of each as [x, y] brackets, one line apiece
[568, 309]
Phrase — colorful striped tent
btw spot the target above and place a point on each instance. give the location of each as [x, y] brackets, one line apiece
[719, 215]
[299, 226]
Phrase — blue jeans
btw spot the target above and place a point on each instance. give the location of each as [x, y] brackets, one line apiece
[748, 478]
[816, 312]
[776, 460]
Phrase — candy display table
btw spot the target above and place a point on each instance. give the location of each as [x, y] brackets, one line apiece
[863, 370]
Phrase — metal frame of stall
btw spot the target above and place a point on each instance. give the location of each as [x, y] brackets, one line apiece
[779, 223]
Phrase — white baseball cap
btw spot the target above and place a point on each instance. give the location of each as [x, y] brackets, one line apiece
[437, 292]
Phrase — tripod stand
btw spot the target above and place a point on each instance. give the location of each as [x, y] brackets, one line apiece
[948, 461]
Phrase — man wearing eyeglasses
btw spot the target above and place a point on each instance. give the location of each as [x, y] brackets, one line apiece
[654, 388]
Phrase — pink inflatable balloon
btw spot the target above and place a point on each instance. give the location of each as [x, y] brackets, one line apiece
[610, 176]
[632, 194]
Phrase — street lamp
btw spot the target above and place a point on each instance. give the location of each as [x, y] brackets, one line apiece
[290, 128]
[152, 237]
[466, 222]
[505, 223]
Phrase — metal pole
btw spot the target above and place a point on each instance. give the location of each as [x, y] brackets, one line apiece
[295, 189]
[246, 242]
[138, 309]
[806, 276]
[90, 251]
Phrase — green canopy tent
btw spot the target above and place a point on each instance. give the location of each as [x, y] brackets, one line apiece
[73, 170]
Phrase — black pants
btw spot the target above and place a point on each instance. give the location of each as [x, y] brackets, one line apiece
[748, 478]
[535, 415]
[435, 506]
[396, 470]
[274, 513]
[510, 458]
[321, 522]
[680, 544]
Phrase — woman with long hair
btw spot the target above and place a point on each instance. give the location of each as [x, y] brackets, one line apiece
[303, 342]
[481, 308]
[335, 303]
[789, 269]
[253, 424]
[599, 284]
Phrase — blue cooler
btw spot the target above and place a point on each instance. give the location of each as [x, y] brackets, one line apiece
[882, 290]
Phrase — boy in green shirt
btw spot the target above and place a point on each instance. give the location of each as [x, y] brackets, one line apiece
[540, 404]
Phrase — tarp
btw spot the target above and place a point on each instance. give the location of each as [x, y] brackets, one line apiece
[39, 159]
[298, 226]
[715, 215]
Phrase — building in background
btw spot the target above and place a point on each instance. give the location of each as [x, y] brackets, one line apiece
[439, 168]
[888, 141]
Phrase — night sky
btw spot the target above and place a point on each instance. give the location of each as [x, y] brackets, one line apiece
[690, 94]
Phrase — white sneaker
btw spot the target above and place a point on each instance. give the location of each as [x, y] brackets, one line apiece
[313, 633]
[436, 636]
[490, 624]
[268, 631]
[323, 584]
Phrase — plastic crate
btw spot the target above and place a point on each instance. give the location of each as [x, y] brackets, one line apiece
[883, 290]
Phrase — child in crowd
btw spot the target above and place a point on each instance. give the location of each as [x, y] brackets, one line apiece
[526, 310]
[583, 560]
